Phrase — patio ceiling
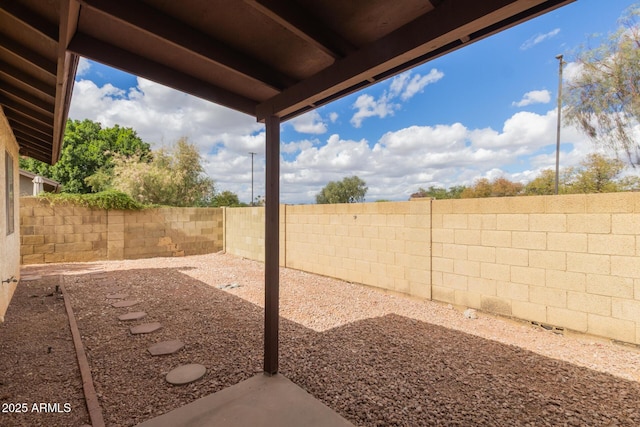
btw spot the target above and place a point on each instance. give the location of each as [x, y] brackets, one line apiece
[261, 57]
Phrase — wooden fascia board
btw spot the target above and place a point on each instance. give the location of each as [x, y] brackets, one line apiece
[65, 75]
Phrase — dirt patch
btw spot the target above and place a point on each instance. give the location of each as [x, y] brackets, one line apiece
[40, 382]
[377, 359]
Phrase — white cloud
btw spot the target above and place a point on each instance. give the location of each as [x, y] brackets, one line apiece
[442, 155]
[534, 97]
[572, 71]
[539, 38]
[309, 122]
[403, 86]
[368, 106]
[394, 165]
[161, 116]
[83, 67]
[418, 83]
[333, 117]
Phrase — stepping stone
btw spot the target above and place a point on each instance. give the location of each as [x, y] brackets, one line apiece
[117, 296]
[127, 303]
[145, 328]
[186, 374]
[165, 347]
[134, 315]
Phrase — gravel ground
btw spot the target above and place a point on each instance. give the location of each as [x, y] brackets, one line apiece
[375, 358]
[38, 362]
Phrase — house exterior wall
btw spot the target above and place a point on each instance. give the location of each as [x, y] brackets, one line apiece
[9, 241]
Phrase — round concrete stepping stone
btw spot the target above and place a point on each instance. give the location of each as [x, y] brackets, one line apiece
[134, 315]
[126, 303]
[186, 374]
[145, 328]
[117, 296]
[165, 347]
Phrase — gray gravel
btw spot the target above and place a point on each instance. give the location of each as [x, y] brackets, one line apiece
[377, 359]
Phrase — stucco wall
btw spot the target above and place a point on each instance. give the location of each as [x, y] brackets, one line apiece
[9, 243]
[72, 234]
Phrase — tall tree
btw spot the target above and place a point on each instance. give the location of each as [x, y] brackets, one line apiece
[604, 98]
[349, 190]
[174, 177]
[598, 174]
[88, 149]
[499, 187]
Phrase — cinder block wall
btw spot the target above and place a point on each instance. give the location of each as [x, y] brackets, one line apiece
[73, 234]
[386, 245]
[61, 233]
[569, 261]
[244, 232]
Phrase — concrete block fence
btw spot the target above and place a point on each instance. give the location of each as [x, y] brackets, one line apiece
[568, 261]
[74, 234]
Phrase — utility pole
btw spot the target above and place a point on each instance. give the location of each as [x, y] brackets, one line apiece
[252, 154]
[561, 63]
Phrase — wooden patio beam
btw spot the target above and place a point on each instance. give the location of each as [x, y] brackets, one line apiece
[35, 22]
[154, 23]
[100, 51]
[272, 246]
[445, 26]
[297, 21]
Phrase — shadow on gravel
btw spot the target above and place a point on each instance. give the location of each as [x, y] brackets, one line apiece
[382, 371]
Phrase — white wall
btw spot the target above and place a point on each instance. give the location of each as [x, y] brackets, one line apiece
[9, 243]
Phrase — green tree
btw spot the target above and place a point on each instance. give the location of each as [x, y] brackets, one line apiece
[543, 184]
[349, 190]
[499, 187]
[604, 99]
[598, 174]
[225, 198]
[88, 150]
[173, 177]
[440, 192]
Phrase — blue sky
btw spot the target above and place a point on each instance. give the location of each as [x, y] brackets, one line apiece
[486, 110]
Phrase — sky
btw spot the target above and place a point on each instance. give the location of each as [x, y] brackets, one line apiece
[487, 110]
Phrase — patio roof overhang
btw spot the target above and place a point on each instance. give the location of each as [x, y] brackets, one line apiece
[271, 59]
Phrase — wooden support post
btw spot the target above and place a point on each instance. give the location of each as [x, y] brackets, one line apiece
[272, 246]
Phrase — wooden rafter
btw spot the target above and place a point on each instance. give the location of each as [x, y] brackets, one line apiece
[446, 25]
[95, 49]
[154, 23]
[296, 20]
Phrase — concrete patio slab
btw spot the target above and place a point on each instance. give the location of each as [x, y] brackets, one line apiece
[260, 401]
